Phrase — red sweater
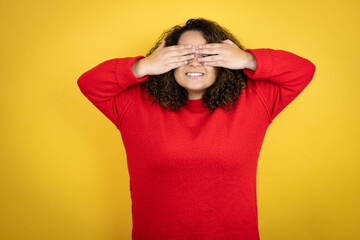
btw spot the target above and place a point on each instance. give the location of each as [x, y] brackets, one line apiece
[193, 173]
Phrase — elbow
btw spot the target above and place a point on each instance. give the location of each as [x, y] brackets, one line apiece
[79, 82]
[312, 69]
[82, 82]
[309, 70]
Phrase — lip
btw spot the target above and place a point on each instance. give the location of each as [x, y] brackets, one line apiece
[195, 72]
[194, 77]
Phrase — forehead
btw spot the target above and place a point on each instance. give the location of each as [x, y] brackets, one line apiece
[192, 37]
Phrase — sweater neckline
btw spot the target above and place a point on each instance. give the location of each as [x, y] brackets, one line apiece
[195, 104]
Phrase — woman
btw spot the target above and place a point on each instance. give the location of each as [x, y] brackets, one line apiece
[192, 120]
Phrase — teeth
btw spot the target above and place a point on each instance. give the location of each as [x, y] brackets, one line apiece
[194, 74]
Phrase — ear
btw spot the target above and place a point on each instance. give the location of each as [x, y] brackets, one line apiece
[227, 41]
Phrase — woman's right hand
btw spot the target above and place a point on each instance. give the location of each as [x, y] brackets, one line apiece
[163, 59]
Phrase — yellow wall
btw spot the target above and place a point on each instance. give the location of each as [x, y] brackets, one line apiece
[63, 172]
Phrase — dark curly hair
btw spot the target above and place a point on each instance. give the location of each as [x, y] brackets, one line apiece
[227, 87]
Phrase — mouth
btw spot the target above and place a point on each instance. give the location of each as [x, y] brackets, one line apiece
[194, 75]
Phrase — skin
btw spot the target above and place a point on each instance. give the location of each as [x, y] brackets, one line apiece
[194, 86]
[189, 55]
[162, 60]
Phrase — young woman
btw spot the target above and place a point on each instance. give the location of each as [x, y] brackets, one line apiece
[193, 115]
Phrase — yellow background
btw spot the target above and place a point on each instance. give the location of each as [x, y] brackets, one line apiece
[63, 167]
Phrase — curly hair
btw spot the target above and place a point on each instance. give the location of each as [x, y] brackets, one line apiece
[224, 92]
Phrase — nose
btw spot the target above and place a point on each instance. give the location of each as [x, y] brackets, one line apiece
[194, 61]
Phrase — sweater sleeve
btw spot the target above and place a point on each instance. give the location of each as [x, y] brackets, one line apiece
[280, 76]
[111, 86]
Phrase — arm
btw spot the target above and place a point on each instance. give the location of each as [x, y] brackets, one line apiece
[111, 85]
[280, 77]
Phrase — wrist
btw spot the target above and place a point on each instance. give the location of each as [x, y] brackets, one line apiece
[252, 62]
[138, 68]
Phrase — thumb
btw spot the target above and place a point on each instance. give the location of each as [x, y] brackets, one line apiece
[227, 41]
[162, 44]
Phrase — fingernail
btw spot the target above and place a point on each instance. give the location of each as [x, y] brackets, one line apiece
[200, 46]
[189, 46]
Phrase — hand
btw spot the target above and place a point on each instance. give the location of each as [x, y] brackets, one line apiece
[227, 55]
[164, 59]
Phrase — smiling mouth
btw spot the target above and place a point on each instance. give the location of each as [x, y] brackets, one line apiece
[194, 75]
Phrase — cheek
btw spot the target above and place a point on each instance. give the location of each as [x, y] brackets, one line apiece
[178, 72]
[212, 72]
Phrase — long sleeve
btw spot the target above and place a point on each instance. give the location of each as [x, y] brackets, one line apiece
[111, 86]
[280, 76]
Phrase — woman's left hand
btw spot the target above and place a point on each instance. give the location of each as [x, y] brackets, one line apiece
[227, 55]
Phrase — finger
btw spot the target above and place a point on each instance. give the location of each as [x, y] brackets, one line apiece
[178, 47]
[215, 64]
[211, 51]
[181, 52]
[161, 45]
[228, 41]
[177, 64]
[210, 45]
[181, 58]
[210, 58]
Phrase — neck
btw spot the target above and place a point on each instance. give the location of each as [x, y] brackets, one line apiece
[195, 96]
